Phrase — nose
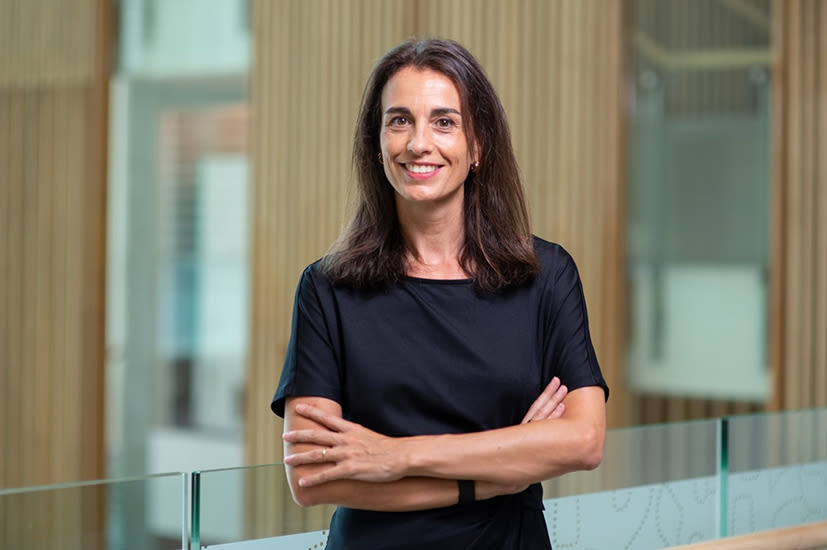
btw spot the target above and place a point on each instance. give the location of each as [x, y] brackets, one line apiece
[421, 140]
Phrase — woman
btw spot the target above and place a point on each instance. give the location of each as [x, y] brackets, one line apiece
[422, 385]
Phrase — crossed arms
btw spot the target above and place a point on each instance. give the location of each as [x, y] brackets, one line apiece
[332, 461]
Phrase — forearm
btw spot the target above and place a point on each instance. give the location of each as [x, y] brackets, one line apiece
[512, 456]
[521, 454]
[404, 495]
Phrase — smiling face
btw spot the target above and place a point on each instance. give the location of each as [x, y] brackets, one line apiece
[425, 152]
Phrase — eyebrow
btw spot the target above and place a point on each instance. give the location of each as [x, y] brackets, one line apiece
[439, 111]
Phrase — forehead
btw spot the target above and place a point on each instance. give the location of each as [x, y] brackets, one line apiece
[411, 87]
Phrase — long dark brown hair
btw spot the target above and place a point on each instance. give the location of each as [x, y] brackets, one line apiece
[498, 248]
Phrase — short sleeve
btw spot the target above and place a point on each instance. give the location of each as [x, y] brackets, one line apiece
[568, 351]
[310, 367]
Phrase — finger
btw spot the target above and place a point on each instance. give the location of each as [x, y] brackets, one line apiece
[541, 400]
[328, 474]
[315, 456]
[319, 437]
[558, 411]
[322, 417]
[546, 394]
[549, 406]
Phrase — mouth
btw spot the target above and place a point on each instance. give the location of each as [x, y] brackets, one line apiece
[421, 169]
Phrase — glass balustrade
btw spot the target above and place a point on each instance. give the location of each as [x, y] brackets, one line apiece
[658, 486]
[147, 513]
[777, 475]
[248, 508]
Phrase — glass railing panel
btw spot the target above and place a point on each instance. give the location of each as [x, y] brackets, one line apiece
[142, 512]
[777, 470]
[656, 487]
[249, 508]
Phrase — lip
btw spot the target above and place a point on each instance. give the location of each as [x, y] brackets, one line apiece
[421, 175]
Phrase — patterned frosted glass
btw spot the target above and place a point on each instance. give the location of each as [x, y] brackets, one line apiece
[657, 486]
[778, 470]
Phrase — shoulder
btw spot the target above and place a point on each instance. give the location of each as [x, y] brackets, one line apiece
[553, 259]
[314, 271]
[313, 281]
[316, 274]
[317, 280]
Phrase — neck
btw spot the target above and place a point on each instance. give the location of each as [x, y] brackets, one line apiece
[434, 237]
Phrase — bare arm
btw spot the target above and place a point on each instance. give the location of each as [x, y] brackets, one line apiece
[516, 455]
[526, 453]
[409, 493]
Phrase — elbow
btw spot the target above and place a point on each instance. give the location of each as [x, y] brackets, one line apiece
[303, 496]
[591, 454]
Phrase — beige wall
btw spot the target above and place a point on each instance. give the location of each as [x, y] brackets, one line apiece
[799, 289]
[52, 231]
[53, 81]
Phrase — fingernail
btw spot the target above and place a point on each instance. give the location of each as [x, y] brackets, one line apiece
[301, 408]
[302, 483]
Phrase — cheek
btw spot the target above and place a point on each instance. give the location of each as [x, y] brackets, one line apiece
[392, 142]
[455, 145]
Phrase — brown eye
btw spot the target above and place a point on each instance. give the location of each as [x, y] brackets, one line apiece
[444, 123]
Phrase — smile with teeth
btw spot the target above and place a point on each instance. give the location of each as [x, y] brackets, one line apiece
[421, 168]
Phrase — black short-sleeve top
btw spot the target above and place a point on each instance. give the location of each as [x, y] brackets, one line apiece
[433, 357]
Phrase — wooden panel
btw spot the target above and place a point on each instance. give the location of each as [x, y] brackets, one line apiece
[302, 136]
[779, 223]
[799, 351]
[45, 43]
[5, 267]
[54, 74]
[820, 203]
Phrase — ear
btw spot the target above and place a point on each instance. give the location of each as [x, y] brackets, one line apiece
[475, 152]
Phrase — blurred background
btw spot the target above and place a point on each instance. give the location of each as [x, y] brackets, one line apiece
[168, 167]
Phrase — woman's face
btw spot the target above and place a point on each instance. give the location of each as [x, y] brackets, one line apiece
[424, 149]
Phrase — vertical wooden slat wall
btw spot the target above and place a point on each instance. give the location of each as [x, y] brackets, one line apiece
[799, 335]
[557, 67]
[54, 73]
[311, 60]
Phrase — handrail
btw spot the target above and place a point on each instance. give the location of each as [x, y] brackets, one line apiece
[809, 536]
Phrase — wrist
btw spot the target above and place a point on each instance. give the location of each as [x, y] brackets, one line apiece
[415, 457]
[406, 456]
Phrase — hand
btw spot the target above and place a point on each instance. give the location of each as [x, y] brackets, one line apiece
[356, 452]
[549, 404]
